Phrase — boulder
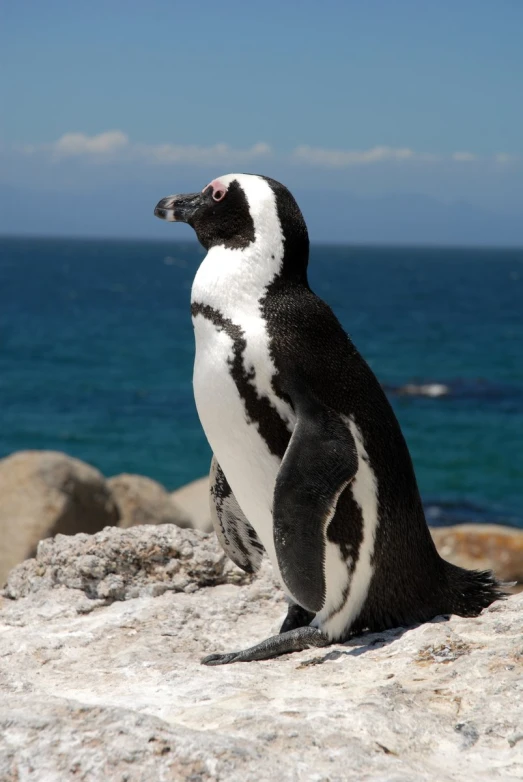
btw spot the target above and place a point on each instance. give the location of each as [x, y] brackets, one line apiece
[117, 692]
[483, 547]
[193, 501]
[118, 564]
[43, 493]
[141, 500]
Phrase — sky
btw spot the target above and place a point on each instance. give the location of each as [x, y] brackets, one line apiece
[390, 121]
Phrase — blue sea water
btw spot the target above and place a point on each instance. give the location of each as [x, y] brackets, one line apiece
[96, 352]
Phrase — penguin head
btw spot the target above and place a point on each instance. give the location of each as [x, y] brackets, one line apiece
[242, 211]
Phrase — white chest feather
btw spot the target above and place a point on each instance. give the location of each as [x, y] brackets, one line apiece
[232, 345]
[241, 451]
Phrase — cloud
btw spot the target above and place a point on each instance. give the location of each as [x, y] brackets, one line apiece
[114, 145]
[75, 144]
[344, 158]
[218, 153]
[505, 159]
[340, 158]
[464, 157]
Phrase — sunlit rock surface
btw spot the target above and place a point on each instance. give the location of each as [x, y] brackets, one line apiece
[105, 683]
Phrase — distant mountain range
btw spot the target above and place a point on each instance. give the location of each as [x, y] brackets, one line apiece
[332, 216]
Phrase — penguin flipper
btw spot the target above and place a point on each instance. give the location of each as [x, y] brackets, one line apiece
[320, 461]
[236, 536]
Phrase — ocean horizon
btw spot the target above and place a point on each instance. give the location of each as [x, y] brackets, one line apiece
[149, 239]
[96, 352]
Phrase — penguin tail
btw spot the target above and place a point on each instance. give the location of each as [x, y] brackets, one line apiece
[470, 591]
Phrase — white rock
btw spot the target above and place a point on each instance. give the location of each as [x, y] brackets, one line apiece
[118, 693]
[117, 564]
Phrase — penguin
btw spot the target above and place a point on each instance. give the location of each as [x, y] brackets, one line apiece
[309, 462]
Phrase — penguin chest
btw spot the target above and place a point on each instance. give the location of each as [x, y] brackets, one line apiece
[247, 425]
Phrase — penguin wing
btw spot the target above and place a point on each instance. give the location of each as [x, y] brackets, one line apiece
[320, 461]
[237, 538]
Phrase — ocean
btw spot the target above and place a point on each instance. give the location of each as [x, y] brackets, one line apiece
[96, 353]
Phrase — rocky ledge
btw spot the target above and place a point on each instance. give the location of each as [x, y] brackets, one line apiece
[47, 492]
[100, 642]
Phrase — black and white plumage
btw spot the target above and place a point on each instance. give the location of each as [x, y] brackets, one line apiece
[309, 463]
[236, 536]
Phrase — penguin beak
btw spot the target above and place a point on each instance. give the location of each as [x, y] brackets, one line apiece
[179, 208]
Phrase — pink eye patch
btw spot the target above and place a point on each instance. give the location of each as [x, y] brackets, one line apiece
[219, 191]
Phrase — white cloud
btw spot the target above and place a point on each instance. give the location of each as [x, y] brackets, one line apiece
[343, 158]
[464, 157]
[75, 144]
[340, 158]
[196, 155]
[505, 159]
[115, 145]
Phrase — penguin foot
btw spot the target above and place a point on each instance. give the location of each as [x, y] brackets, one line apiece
[292, 641]
[296, 617]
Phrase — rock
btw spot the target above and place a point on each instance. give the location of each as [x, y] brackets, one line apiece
[483, 547]
[118, 692]
[193, 501]
[124, 564]
[141, 500]
[43, 493]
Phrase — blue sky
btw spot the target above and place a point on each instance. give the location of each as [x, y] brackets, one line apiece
[379, 107]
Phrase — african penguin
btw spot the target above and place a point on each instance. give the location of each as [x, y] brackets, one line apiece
[309, 462]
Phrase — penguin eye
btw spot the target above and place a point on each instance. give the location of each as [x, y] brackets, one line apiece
[218, 195]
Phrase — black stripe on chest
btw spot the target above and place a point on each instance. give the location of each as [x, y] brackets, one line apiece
[258, 409]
